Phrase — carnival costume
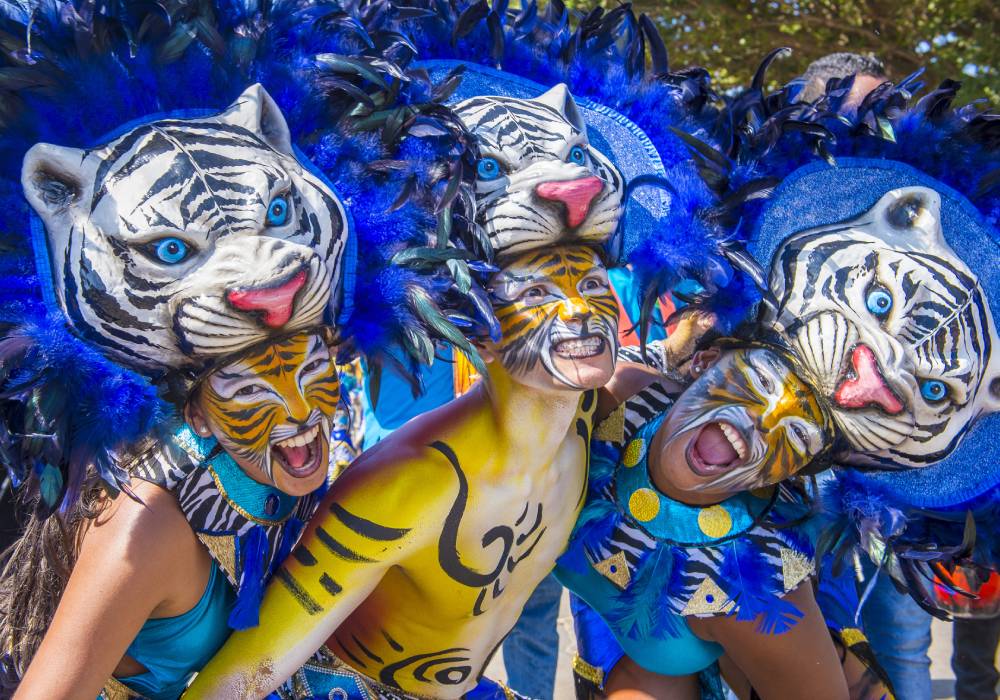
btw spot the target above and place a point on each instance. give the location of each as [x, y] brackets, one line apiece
[889, 326]
[554, 172]
[174, 231]
[877, 257]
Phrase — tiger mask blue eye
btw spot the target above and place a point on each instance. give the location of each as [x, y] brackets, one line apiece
[171, 250]
[488, 169]
[277, 211]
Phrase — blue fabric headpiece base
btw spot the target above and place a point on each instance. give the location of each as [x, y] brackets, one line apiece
[818, 194]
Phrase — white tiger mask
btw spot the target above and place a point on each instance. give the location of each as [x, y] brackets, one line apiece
[893, 328]
[538, 182]
[187, 239]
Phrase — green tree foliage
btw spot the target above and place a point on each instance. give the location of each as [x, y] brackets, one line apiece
[951, 38]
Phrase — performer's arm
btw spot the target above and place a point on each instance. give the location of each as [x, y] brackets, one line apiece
[378, 511]
[136, 560]
[799, 663]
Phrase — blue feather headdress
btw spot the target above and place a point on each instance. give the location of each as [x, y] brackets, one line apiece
[823, 165]
[616, 66]
[74, 72]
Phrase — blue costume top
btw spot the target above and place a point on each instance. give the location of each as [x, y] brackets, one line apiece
[172, 648]
[645, 562]
[248, 529]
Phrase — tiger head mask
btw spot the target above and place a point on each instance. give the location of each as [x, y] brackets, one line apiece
[538, 181]
[184, 240]
[891, 327]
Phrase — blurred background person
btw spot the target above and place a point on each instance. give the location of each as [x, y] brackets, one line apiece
[868, 71]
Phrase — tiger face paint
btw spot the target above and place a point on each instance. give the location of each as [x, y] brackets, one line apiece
[272, 411]
[558, 317]
[747, 422]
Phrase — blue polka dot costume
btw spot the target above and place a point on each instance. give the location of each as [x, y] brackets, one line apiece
[641, 563]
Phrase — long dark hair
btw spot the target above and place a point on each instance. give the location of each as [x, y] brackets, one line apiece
[35, 570]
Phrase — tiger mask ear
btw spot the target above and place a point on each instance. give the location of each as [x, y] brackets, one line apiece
[560, 99]
[56, 180]
[256, 111]
[913, 214]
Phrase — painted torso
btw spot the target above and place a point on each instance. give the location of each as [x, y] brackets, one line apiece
[451, 602]
[423, 553]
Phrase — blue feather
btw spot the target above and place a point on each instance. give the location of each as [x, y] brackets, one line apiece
[642, 608]
[252, 556]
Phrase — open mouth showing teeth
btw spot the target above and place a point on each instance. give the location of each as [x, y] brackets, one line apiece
[579, 348]
[717, 448]
[300, 454]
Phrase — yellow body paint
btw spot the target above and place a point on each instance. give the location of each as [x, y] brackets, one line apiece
[425, 550]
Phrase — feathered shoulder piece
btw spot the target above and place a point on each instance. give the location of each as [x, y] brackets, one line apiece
[876, 252]
[182, 181]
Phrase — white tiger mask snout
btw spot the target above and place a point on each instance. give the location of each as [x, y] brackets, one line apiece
[539, 182]
[187, 239]
[893, 328]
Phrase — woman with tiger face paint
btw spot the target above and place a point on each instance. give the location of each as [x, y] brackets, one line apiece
[687, 551]
[161, 580]
[272, 411]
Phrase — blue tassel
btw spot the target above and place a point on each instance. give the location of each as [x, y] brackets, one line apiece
[290, 532]
[246, 612]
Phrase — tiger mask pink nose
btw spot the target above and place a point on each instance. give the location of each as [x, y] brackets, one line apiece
[577, 195]
[275, 303]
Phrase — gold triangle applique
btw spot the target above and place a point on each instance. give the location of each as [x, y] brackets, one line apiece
[708, 599]
[612, 428]
[615, 569]
[795, 568]
[223, 550]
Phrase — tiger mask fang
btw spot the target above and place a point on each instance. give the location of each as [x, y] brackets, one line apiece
[183, 240]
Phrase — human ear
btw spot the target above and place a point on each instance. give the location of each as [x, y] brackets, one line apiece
[703, 359]
[195, 417]
[487, 351]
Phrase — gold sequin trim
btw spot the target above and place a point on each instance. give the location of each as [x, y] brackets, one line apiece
[708, 599]
[615, 569]
[612, 428]
[116, 690]
[594, 674]
[634, 453]
[223, 550]
[795, 568]
[644, 505]
[852, 635]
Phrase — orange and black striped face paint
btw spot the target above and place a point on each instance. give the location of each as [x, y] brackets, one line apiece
[558, 317]
[273, 410]
[747, 422]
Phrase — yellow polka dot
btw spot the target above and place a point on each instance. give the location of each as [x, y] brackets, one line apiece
[715, 521]
[644, 505]
[634, 453]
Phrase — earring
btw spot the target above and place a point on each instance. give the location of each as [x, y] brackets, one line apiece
[697, 369]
